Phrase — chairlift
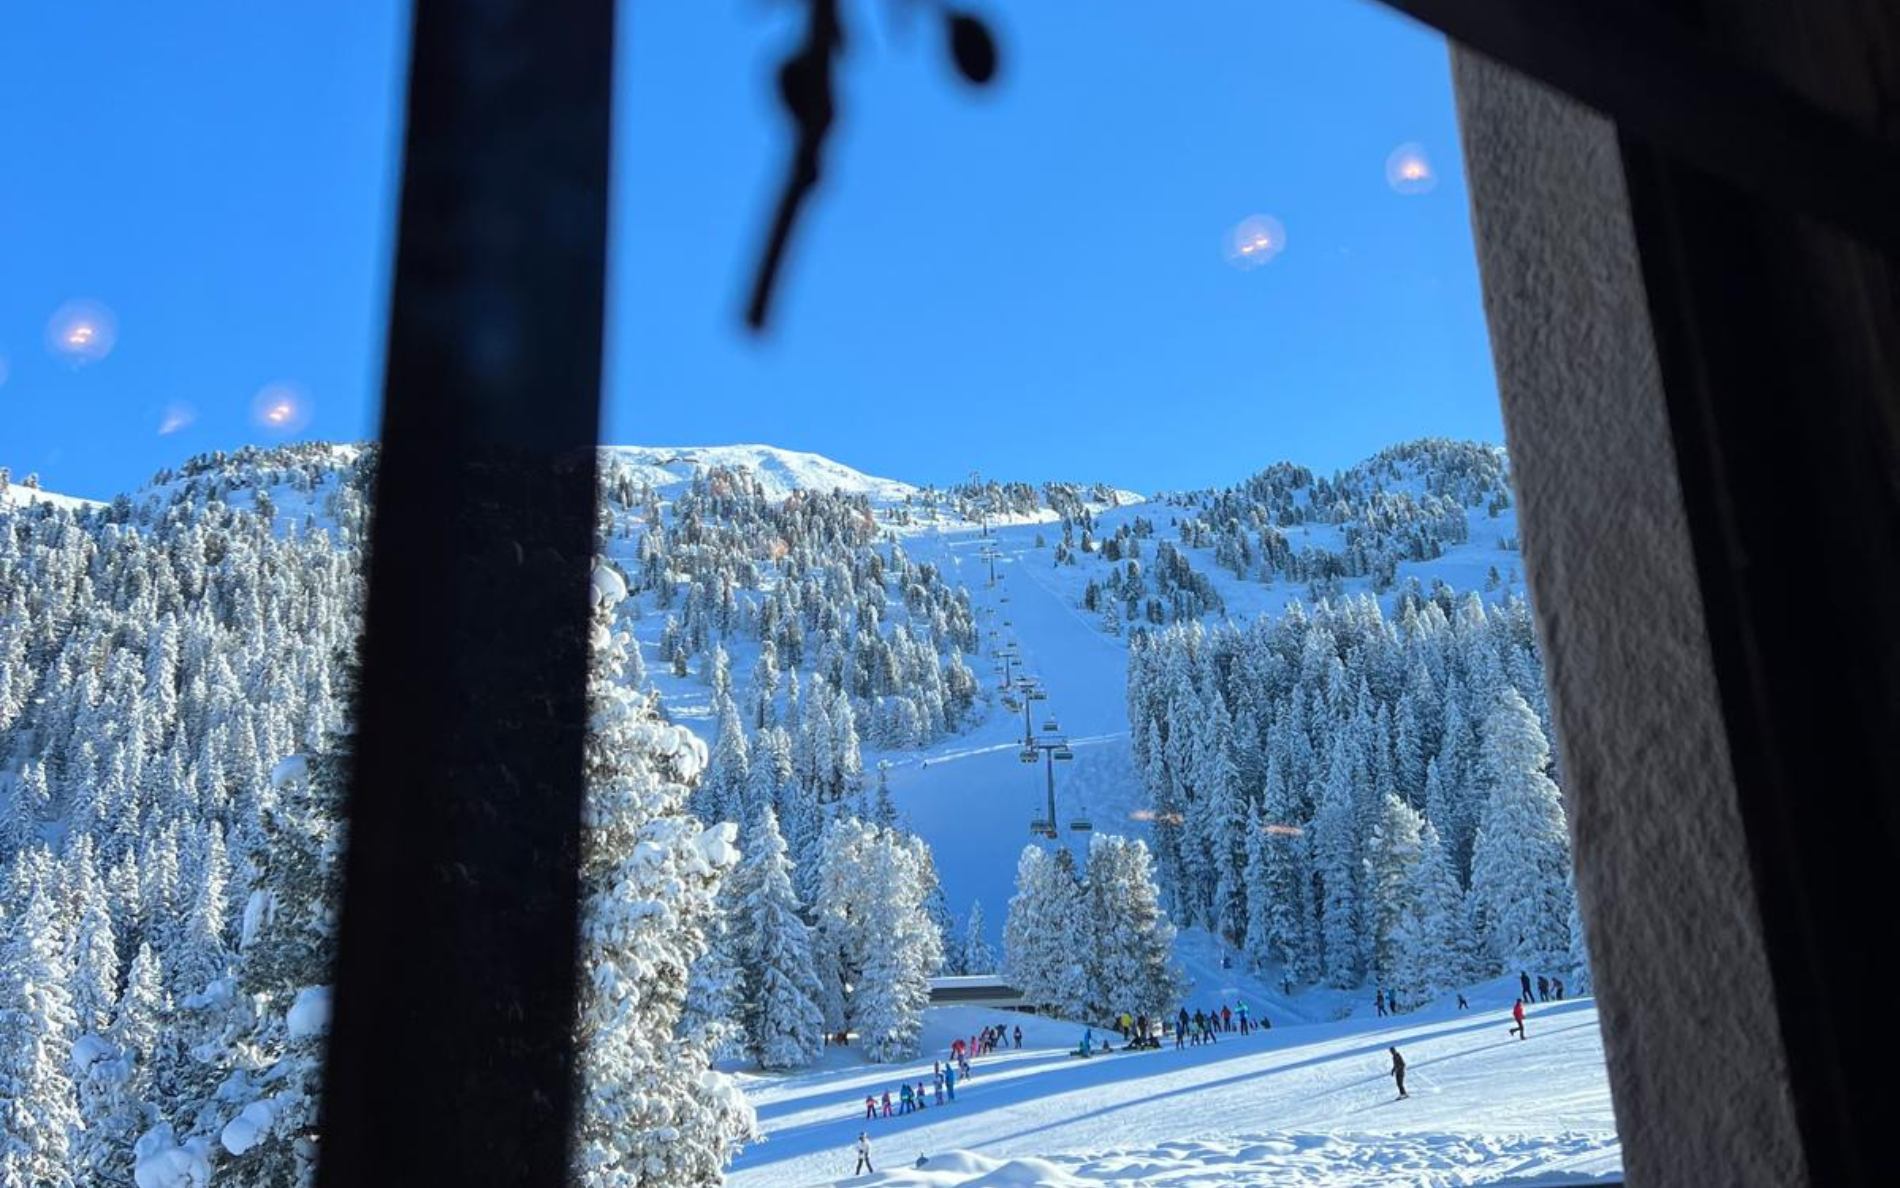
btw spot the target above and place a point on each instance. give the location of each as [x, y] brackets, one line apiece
[1037, 694]
[1081, 825]
[1028, 755]
[1049, 726]
[1063, 754]
[1012, 703]
[1041, 827]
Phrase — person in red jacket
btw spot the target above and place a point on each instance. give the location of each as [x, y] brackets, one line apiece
[1517, 1013]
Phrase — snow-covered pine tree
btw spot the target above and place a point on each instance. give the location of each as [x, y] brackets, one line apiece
[1433, 943]
[978, 957]
[1130, 956]
[37, 1102]
[1045, 934]
[901, 945]
[1392, 857]
[1520, 862]
[784, 1028]
[651, 1109]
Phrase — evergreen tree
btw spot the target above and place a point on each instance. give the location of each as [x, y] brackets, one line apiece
[1520, 862]
[651, 1109]
[784, 1028]
[978, 957]
[37, 1102]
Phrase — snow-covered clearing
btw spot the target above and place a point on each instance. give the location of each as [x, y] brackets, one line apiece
[1308, 1104]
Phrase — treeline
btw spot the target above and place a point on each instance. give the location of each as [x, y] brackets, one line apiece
[1360, 798]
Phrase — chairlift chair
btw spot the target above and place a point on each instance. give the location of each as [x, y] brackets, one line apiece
[1063, 754]
[1028, 755]
[1041, 827]
[1049, 726]
[1081, 825]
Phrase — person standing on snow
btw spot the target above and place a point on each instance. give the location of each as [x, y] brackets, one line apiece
[1524, 980]
[950, 1082]
[1398, 1070]
[1462, 1004]
[1517, 1013]
[939, 1076]
[864, 1154]
[870, 1106]
[1242, 1012]
[1543, 988]
[904, 1092]
[1019, 1037]
[1226, 1018]
[1378, 1002]
[887, 1103]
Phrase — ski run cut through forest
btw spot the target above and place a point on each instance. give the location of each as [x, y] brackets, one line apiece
[1248, 793]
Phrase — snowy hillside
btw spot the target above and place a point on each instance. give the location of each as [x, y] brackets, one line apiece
[1300, 1105]
[779, 472]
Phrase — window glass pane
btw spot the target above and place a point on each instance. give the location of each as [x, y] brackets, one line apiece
[197, 230]
[1105, 571]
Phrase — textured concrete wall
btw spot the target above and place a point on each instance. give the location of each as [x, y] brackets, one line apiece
[1689, 1022]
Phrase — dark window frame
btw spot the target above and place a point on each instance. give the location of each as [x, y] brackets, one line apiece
[450, 1056]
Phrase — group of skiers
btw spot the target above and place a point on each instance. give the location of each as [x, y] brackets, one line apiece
[944, 1078]
[1202, 1026]
[1549, 989]
[944, 1075]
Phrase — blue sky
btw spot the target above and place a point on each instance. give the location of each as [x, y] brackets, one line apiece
[1030, 282]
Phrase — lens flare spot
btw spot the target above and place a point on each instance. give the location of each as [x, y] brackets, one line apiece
[281, 408]
[1284, 830]
[1409, 171]
[1254, 241]
[81, 332]
[175, 417]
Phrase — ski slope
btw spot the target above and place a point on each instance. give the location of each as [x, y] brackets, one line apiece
[1300, 1104]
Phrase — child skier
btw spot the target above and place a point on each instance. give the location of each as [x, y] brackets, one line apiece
[1517, 1013]
[870, 1106]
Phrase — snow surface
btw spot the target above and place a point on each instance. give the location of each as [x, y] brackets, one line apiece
[780, 472]
[1309, 1104]
[309, 1013]
[19, 496]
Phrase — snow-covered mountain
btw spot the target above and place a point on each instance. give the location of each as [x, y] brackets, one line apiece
[779, 472]
[841, 644]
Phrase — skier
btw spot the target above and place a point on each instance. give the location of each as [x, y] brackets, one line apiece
[864, 1154]
[1462, 1004]
[1226, 1018]
[1088, 1041]
[1543, 988]
[906, 1105]
[1524, 980]
[870, 1106]
[1517, 1013]
[1019, 1037]
[1180, 1031]
[1557, 988]
[920, 1095]
[1286, 985]
[939, 1078]
[1378, 1002]
[887, 1103]
[1398, 1070]
[1242, 1012]
[950, 1082]
[956, 1049]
